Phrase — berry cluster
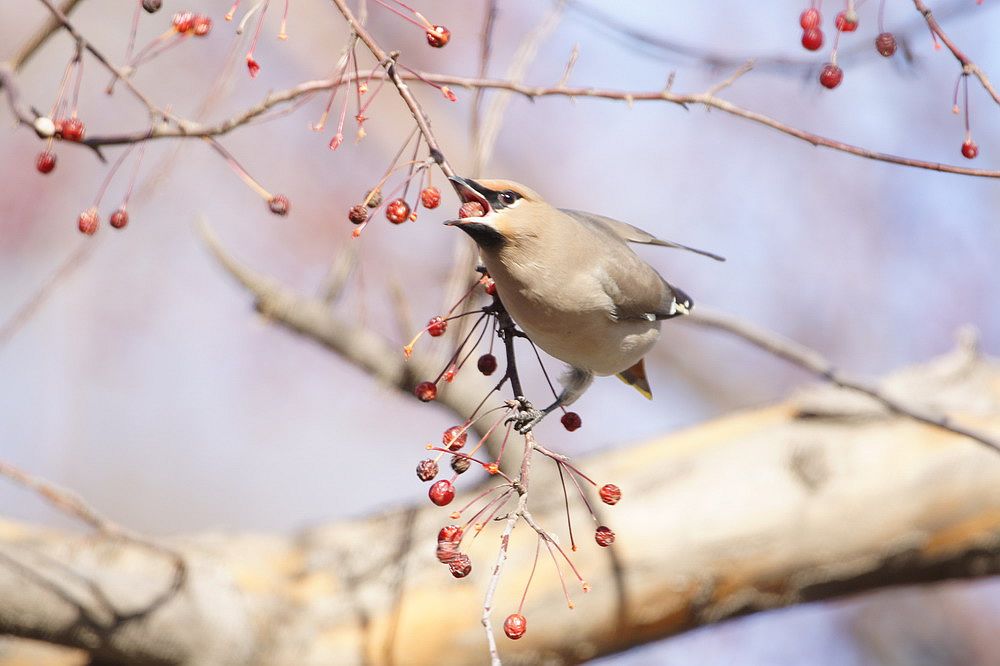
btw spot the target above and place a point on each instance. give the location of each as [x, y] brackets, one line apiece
[810, 20]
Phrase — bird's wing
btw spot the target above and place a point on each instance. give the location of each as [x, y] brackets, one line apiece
[628, 233]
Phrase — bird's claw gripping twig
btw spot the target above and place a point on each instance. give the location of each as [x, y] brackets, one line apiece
[526, 416]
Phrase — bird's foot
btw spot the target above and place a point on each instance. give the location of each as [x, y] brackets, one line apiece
[526, 417]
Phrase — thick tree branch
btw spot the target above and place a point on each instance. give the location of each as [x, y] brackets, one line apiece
[754, 511]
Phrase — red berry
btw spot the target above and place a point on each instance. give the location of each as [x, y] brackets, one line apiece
[442, 492]
[88, 221]
[885, 44]
[460, 566]
[450, 534]
[610, 494]
[201, 25]
[571, 421]
[604, 536]
[970, 149]
[809, 18]
[430, 197]
[119, 218]
[279, 204]
[437, 326]
[438, 36]
[358, 214]
[426, 391]
[398, 211]
[490, 287]
[812, 39]
[72, 129]
[183, 21]
[253, 67]
[487, 364]
[471, 209]
[454, 438]
[831, 76]
[846, 22]
[427, 469]
[514, 626]
[45, 162]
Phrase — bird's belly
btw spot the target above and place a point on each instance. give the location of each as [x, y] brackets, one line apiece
[588, 339]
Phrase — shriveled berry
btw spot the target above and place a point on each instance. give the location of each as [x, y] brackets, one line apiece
[427, 469]
[812, 39]
[604, 536]
[454, 438]
[460, 566]
[398, 211]
[45, 162]
[471, 209]
[571, 421]
[810, 18]
[279, 204]
[253, 67]
[847, 21]
[373, 198]
[442, 492]
[610, 494]
[201, 25]
[460, 464]
[430, 197]
[969, 149]
[119, 218]
[436, 327]
[425, 391]
[831, 76]
[885, 44]
[487, 364]
[450, 534]
[358, 214]
[88, 221]
[438, 36]
[72, 129]
[152, 6]
[514, 626]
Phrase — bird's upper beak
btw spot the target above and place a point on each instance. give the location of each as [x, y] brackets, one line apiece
[470, 190]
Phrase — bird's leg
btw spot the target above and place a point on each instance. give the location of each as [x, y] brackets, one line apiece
[575, 382]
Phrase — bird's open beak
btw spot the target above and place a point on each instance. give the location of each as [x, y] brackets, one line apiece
[480, 229]
[469, 190]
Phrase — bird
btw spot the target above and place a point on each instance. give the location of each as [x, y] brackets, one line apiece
[570, 280]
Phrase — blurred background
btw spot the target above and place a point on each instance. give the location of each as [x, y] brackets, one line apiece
[145, 382]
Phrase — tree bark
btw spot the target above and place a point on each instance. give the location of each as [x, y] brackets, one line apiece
[814, 498]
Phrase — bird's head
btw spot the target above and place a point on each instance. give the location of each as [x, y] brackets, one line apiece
[511, 211]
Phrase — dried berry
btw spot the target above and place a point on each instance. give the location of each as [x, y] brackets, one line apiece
[398, 211]
[442, 492]
[450, 534]
[610, 494]
[279, 204]
[885, 44]
[571, 421]
[152, 6]
[831, 76]
[438, 36]
[604, 536]
[89, 221]
[119, 218]
[72, 129]
[487, 364]
[427, 469]
[460, 566]
[183, 21]
[471, 209]
[373, 198]
[454, 438]
[201, 25]
[430, 197]
[358, 214]
[436, 327]
[425, 391]
[45, 162]
[514, 626]
[460, 464]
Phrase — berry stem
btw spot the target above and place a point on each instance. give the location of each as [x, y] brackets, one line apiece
[402, 15]
[111, 172]
[569, 519]
[534, 565]
[240, 171]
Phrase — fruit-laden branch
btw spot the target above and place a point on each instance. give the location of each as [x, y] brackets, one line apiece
[799, 501]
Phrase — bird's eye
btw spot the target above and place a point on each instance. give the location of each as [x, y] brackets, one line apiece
[508, 197]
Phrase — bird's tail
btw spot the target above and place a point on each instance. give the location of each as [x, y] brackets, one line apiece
[636, 378]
